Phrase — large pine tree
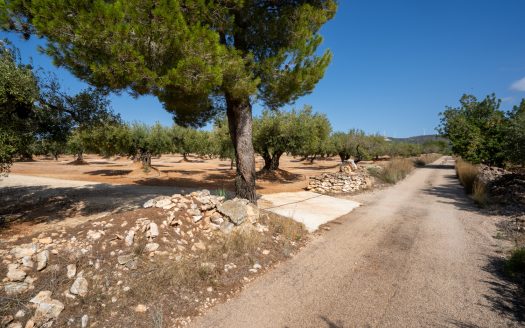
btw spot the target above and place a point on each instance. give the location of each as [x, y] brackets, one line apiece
[196, 56]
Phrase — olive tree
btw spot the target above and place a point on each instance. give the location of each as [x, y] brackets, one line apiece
[295, 131]
[18, 94]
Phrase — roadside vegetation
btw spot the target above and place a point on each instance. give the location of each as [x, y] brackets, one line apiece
[515, 265]
[490, 144]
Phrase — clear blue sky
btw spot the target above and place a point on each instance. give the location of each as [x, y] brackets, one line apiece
[396, 65]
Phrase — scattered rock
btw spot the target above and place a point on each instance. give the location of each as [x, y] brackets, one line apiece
[84, 321]
[80, 286]
[151, 247]
[141, 308]
[266, 252]
[238, 210]
[227, 227]
[24, 250]
[153, 231]
[197, 218]
[14, 273]
[94, 235]
[150, 203]
[27, 262]
[41, 260]
[163, 202]
[71, 270]
[47, 308]
[15, 288]
[129, 238]
[124, 259]
[45, 241]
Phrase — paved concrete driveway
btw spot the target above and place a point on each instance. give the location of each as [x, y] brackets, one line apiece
[307, 207]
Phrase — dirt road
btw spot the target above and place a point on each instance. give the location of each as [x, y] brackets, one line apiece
[418, 254]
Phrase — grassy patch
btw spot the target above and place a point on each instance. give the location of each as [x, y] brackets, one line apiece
[467, 174]
[394, 171]
[515, 265]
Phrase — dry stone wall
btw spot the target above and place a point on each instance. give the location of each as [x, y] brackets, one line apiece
[350, 178]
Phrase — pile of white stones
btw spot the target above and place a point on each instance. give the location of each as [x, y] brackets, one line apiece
[210, 211]
[350, 179]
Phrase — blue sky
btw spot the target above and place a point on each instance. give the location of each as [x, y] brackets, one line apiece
[396, 65]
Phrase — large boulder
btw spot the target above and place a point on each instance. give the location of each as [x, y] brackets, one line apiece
[239, 210]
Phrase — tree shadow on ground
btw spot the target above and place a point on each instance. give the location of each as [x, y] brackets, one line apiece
[279, 176]
[508, 299]
[44, 204]
[318, 168]
[451, 192]
[212, 181]
[330, 323]
[109, 173]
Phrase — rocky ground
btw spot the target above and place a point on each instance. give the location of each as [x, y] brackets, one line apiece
[156, 266]
[506, 195]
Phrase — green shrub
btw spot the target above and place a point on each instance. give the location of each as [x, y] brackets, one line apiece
[515, 265]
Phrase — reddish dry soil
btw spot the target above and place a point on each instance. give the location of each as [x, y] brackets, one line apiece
[172, 170]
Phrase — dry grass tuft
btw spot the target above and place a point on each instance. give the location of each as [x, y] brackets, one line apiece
[292, 230]
[467, 174]
[394, 171]
[479, 193]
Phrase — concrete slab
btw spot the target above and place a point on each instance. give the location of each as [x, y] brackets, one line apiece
[307, 207]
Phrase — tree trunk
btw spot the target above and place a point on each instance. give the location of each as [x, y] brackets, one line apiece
[344, 157]
[267, 161]
[80, 156]
[239, 112]
[275, 161]
[312, 159]
[145, 159]
[185, 157]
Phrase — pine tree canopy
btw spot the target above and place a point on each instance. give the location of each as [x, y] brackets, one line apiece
[191, 54]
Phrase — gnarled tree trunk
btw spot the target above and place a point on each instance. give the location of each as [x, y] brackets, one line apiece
[239, 112]
[80, 156]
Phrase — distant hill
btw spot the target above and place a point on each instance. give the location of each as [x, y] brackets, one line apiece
[419, 139]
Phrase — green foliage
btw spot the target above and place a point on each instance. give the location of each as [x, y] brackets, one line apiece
[184, 52]
[196, 57]
[18, 94]
[221, 141]
[515, 132]
[187, 141]
[347, 145]
[296, 132]
[476, 130]
[66, 117]
[317, 129]
[515, 265]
